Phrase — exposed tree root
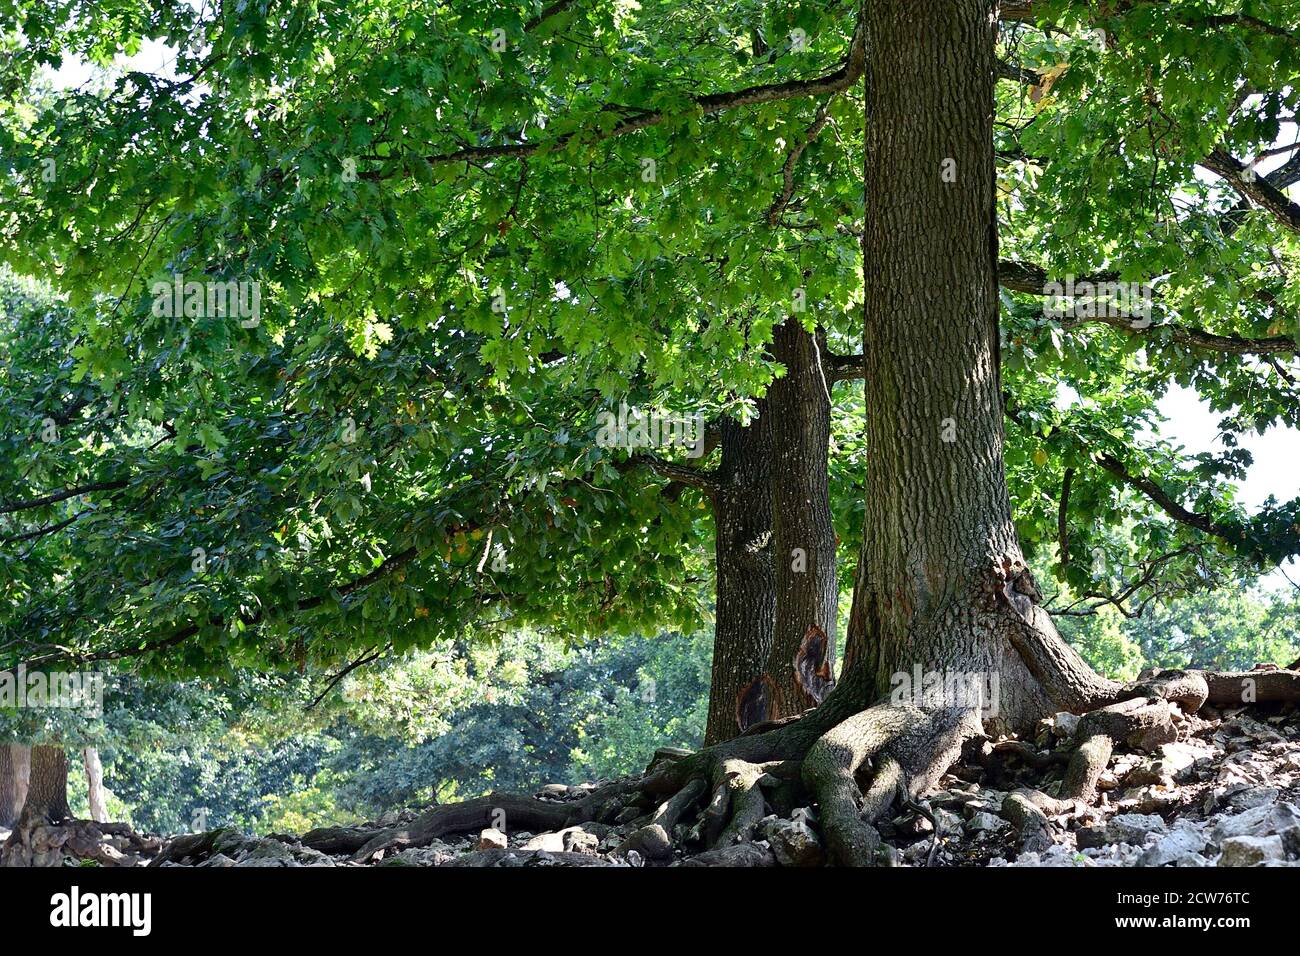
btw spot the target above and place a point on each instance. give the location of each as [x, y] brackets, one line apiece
[1086, 766]
[1031, 823]
[510, 809]
[910, 747]
[1265, 685]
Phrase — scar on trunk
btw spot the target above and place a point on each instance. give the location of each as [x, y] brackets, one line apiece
[812, 665]
[754, 702]
[1013, 586]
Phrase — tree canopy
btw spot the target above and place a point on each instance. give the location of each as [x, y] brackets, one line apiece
[475, 226]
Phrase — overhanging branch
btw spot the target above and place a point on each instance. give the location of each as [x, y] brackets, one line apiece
[710, 103]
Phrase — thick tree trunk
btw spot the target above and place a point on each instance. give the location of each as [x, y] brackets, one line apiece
[15, 769]
[95, 785]
[746, 590]
[47, 793]
[807, 586]
[940, 554]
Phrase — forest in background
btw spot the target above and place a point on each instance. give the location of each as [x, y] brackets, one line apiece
[253, 751]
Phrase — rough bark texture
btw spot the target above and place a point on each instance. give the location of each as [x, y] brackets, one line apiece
[746, 588]
[47, 793]
[807, 588]
[939, 533]
[15, 768]
[95, 785]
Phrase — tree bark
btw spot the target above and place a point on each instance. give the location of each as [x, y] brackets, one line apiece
[746, 589]
[941, 567]
[47, 794]
[807, 587]
[15, 769]
[95, 785]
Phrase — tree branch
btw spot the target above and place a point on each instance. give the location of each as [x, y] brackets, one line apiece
[787, 171]
[832, 83]
[57, 496]
[1032, 279]
[1258, 189]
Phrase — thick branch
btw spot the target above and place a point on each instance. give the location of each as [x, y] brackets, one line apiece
[1032, 279]
[57, 496]
[1258, 189]
[1167, 504]
[830, 84]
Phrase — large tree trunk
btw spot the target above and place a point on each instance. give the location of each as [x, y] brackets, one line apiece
[15, 769]
[940, 553]
[807, 586]
[47, 794]
[95, 785]
[746, 591]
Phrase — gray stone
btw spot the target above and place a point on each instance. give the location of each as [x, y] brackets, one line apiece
[1282, 819]
[985, 822]
[794, 843]
[651, 842]
[1132, 828]
[1065, 724]
[1176, 847]
[1251, 850]
[1253, 797]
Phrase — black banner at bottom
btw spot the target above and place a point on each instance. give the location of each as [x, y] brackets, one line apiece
[171, 905]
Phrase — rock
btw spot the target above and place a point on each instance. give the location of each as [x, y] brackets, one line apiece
[1251, 850]
[435, 854]
[1122, 828]
[218, 860]
[1176, 847]
[492, 839]
[794, 843]
[1149, 773]
[1065, 724]
[1153, 738]
[949, 823]
[578, 840]
[575, 839]
[1134, 827]
[1278, 819]
[1253, 797]
[985, 822]
[740, 854]
[1149, 800]
[651, 842]
[1181, 756]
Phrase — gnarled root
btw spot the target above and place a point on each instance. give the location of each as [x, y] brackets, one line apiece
[1022, 809]
[1264, 685]
[514, 810]
[1086, 765]
[909, 748]
[1143, 722]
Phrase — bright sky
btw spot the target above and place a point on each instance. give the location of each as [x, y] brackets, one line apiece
[1276, 469]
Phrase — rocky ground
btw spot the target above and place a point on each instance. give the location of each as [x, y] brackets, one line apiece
[1226, 792]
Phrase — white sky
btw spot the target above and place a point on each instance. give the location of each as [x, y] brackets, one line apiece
[1275, 471]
